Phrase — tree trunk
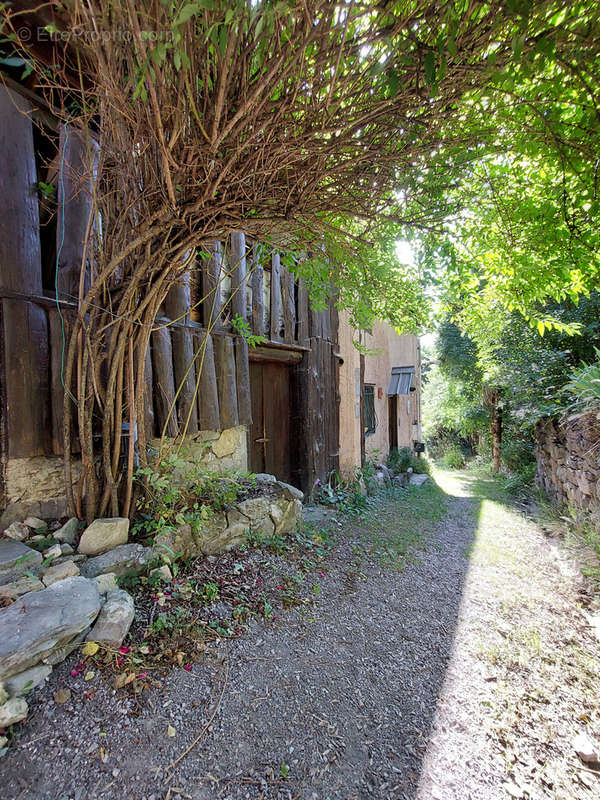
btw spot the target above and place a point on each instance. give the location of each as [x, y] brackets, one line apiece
[496, 428]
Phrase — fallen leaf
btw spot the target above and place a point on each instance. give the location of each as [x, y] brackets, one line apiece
[89, 675]
[62, 696]
[90, 649]
[171, 730]
[119, 681]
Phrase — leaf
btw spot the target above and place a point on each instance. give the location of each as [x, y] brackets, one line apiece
[285, 770]
[89, 675]
[171, 731]
[90, 649]
[429, 64]
[541, 328]
[62, 696]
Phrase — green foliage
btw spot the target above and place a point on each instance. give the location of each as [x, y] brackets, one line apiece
[403, 459]
[583, 388]
[177, 490]
[244, 329]
[453, 458]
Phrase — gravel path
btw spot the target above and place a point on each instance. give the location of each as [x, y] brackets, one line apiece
[464, 676]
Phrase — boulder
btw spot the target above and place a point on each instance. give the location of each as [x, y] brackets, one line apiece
[17, 531]
[24, 682]
[16, 559]
[60, 652]
[264, 526]
[277, 510]
[122, 559]
[265, 477]
[171, 543]
[226, 444]
[66, 549]
[15, 589]
[14, 710]
[255, 508]
[235, 517]
[36, 524]
[227, 539]
[291, 517]
[59, 572]
[69, 531]
[39, 623]
[114, 620]
[106, 582]
[103, 535]
[418, 480]
[290, 492]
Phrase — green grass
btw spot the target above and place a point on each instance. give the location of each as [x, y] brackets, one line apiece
[403, 520]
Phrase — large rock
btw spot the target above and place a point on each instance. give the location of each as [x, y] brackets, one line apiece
[114, 620]
[291, 518]
[16, 559]
[227, 539]
[59, 572]
[17, 531]
[68, 532]
[290, 492]
[36, 524]
[418, 480]
[15, 589]
[255, 508]
[103, 535]
[14, 710]
[172, 543]
[41, 622]
[24, 682]
[106, 582]
[123, 559]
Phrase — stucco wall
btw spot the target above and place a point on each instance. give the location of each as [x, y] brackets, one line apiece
[387, 350]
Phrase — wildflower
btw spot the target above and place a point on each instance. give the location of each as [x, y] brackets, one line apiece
[187, 667]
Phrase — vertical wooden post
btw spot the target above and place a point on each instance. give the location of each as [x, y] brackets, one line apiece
[302, 313]
[275, 297]
[77, 160]
[238, 274]
[208, 397]
[242, 371]
[177, 305]
[289, 306]
[226, 381]
[258, 309]
[148, 397]
[164, 384]
[211, 287]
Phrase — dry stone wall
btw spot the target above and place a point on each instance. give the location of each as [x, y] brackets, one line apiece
[568, 462]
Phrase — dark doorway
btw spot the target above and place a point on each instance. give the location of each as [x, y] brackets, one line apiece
[269, 434]
[393, 421]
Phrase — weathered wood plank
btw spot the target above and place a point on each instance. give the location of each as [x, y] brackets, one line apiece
[164, 381]
[211, 287]
[302, 312]
[78, 156]
[177, 306]
[59, 336]
[258, 308]
[226, 381]
[289, 306]
[26, 378]
[256, 431]
[148, 397]
[237, 249]
[242, 372]
[20, 255]
[275, 297]
[179, 299]
[208, 397]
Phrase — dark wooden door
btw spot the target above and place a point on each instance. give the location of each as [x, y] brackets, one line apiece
[393, 421]
[269, 434]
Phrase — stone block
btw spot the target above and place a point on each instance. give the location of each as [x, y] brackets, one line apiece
[17, 531]
[59, 572]
[21, 586]
[69, 532]
[24, 682]
[103, 535]
[114, 620]
[16, 559]
[122, 559]
[290, 492]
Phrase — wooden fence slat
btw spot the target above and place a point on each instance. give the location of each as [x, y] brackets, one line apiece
[185, 379]
[179, 299]
[26, 377]
[226, 381]
[59, 346]
[20, 254]
[275, 297]
[148, 397]
[211, 287]
[303, 333]
[237, 248]
[257, 279]
[242, 371]
[289, 307]
[164, 383]
[208, 397]
[77, 157]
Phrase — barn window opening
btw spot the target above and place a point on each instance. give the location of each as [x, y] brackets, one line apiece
[370, 420]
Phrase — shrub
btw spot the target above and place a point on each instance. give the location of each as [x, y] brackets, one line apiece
[453, 457]
[401, 460]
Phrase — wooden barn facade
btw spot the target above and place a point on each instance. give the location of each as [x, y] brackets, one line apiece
[285, 390]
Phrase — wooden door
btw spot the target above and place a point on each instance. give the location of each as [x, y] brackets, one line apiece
[269, 433]
[393, 421]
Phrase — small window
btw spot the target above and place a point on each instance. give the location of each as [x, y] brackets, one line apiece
[369, 408]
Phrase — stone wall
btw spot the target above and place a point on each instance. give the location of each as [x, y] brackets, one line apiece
[568, 465]
[35, 486]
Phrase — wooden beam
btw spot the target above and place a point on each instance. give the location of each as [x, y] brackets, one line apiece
[20, 254]
[78, 155]
[226, 381]
[211, 287]
[242, 372]
[164, 382]
[266, 354]
[208, 396]
[289, 306]
[148, 397]
[177, 305]
[303, 333]
[237, 249]
[258, 308]
[275, 297]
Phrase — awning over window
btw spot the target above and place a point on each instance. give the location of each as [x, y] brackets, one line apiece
[402, 380]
